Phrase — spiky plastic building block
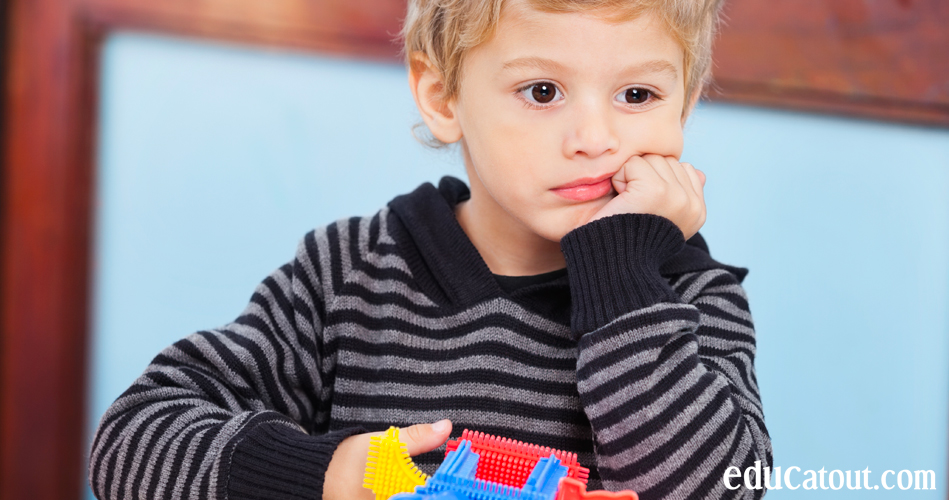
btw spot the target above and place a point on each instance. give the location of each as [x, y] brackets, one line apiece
[390, 473]
[389, 468]
[510, 462]
[571, 489]
[456, 479]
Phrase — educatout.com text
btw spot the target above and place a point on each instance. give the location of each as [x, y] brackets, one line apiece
[792, 478]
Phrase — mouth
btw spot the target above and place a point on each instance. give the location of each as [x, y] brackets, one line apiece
[586, 189]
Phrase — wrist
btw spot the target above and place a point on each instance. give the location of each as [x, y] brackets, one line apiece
[278, 458]
[613, 265]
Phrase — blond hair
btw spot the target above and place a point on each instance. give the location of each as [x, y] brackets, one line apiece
[445, 30]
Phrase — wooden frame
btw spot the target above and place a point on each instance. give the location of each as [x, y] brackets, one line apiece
[48, 152]
[884, 60]
[48, 185]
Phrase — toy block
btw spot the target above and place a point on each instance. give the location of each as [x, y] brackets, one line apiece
[389, 468]
[510, 462]
[571, 489]
[455, 480]
[479, 466]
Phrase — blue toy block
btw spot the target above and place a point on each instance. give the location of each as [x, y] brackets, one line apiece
[455, 480]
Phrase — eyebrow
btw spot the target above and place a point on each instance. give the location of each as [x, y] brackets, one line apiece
[660, 66]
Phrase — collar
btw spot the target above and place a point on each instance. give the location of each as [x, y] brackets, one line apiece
[444, 259]
[448, 265]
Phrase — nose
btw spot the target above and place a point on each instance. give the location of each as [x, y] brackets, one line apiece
[591, 132]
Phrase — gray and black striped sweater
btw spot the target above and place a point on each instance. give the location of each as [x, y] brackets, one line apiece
[640, 357]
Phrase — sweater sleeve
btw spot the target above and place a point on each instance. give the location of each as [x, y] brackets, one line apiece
[232, 413]
[665, 372]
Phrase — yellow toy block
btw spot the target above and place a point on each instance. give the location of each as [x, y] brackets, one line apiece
[389, 468]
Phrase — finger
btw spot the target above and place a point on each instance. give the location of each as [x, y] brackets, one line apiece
[693, 178]
[422, 438]
[702, 175]
[661, 166]
[682, 178]
[637, 168]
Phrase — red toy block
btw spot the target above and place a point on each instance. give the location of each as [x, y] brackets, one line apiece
[510, 462]
[571, 489]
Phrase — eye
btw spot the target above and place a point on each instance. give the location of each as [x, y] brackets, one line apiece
[634, 95]
[541, 93]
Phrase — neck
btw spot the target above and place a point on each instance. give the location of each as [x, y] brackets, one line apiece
[507, 246]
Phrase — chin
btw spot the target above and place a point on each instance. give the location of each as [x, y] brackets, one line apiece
[557, 223]
[578, 215]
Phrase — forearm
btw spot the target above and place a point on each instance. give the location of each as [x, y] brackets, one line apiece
[180, 432]
[227, 413]
[665, 424]
[668, 420]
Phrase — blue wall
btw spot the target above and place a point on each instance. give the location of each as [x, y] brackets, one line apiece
[844, 226]
[214, 160]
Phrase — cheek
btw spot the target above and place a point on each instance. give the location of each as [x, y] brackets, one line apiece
[507, 150]
[672, 142]
[658, 134]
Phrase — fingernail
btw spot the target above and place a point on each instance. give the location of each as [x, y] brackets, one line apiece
[441, 425]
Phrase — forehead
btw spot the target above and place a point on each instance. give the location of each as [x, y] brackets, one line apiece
[586, 41]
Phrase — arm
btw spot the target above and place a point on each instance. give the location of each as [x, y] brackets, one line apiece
[227, 413]
[666, 376]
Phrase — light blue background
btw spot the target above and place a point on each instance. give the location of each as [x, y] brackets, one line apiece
[214, 160]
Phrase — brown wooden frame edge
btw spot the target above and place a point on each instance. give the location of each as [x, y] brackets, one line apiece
[828, 103]
[48, 194]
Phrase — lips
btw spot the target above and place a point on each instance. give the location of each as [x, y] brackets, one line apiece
[586, 189]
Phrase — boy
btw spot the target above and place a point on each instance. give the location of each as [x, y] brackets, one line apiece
[565, 299]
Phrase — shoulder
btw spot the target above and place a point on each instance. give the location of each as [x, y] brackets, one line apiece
[695, 256]
[332, 252]
[358, 234]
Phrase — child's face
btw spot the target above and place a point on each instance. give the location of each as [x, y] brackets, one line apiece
[557, 97]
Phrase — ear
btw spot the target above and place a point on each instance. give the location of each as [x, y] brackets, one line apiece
[426, 84]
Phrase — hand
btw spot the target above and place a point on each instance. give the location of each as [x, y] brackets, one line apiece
[660, 185]
[344, 476]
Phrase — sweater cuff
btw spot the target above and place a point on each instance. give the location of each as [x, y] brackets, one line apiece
[613, 265]
[275, 461]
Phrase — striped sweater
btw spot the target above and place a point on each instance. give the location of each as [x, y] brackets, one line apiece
[640, 358]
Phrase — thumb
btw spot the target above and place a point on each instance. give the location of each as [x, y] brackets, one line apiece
[701, 175]
[421, 438]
